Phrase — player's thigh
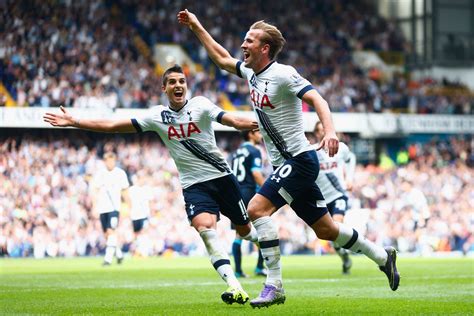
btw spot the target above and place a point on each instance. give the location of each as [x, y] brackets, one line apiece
[338, 208]
[325, 228]
[310, 206]
[109, 221]
[231, 203]
[199, 199]
[291, 181]
[260, 206]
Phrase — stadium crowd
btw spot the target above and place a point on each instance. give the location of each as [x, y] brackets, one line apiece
[90, 53]
[421, 206]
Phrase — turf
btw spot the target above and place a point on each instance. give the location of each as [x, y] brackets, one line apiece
[189, 286]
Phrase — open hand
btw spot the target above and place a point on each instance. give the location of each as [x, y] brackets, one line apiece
[62, 119]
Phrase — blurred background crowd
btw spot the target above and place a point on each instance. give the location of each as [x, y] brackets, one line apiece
[420, 205]
[97, 53]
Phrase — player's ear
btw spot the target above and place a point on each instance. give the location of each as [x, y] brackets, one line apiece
[266, 49]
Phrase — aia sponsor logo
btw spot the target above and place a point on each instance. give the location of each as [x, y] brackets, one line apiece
[182, 131]
[260, 101]
[327, 165]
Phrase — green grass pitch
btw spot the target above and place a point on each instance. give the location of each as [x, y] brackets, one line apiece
[190, 286]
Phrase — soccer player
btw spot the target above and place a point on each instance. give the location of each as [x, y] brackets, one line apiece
[276, 91]
[209, 187]
[247, 167]
[335, 177]
[109, 186]
[140, 197]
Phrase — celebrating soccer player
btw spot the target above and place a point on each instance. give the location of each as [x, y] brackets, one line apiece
[209, 187]
[276, 91]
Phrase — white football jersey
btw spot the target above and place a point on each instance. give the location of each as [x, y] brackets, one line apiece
[140, 197]
[110, 185]
[190, 139]
[332, 171]
[276, 94]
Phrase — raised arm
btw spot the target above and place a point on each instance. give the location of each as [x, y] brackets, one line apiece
[216, 52]
[237, 122]
[65, 119]
[330, 142]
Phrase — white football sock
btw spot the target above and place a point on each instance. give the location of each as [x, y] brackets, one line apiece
[270, 248]
[110, 250]
[219, 258]
[350, 239]
[252, 235]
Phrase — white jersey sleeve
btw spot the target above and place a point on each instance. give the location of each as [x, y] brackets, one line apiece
[296, 84]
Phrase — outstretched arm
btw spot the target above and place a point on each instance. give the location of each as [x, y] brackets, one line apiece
[240, 123]
[65, 119]
[330, 142]
[216, 52]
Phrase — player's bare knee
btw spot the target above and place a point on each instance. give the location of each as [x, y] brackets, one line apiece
[338, 218]
[243, 230]
[327, 232]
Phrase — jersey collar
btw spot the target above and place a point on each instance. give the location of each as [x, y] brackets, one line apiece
[185, 103]
[265, 68]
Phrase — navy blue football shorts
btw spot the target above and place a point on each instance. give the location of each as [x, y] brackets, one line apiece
[338, 206]
[139, 224]
[293, 183]
[221, 195]
[109, 220]
[247, 195]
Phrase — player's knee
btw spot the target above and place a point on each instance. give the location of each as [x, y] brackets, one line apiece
[328, 232]
[338, 218]
[203, 222]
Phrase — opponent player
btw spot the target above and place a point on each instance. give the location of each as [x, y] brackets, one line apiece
[276, 91]
[335, 176]
[109, 186]
[185, 126]
[247, 167]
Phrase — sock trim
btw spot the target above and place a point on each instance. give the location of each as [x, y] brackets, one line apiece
[238, 241]
[353, 239]
[269, 243]
[220, 262]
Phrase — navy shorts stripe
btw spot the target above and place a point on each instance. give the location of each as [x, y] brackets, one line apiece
[220, 262]
[269, 243]
[351, 242]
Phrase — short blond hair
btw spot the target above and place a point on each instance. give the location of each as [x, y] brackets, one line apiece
[271, 36]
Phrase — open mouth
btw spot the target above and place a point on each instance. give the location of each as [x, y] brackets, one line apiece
[246, 55]
[178, 94]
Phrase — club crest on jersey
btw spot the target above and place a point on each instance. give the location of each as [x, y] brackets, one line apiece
[167, 117]
[253, 81]
[189, 115]
[182, 131]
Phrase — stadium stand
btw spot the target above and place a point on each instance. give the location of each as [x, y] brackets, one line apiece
[97, 53]
[45, 203]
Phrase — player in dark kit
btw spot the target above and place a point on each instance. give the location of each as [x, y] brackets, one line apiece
[247, 167]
